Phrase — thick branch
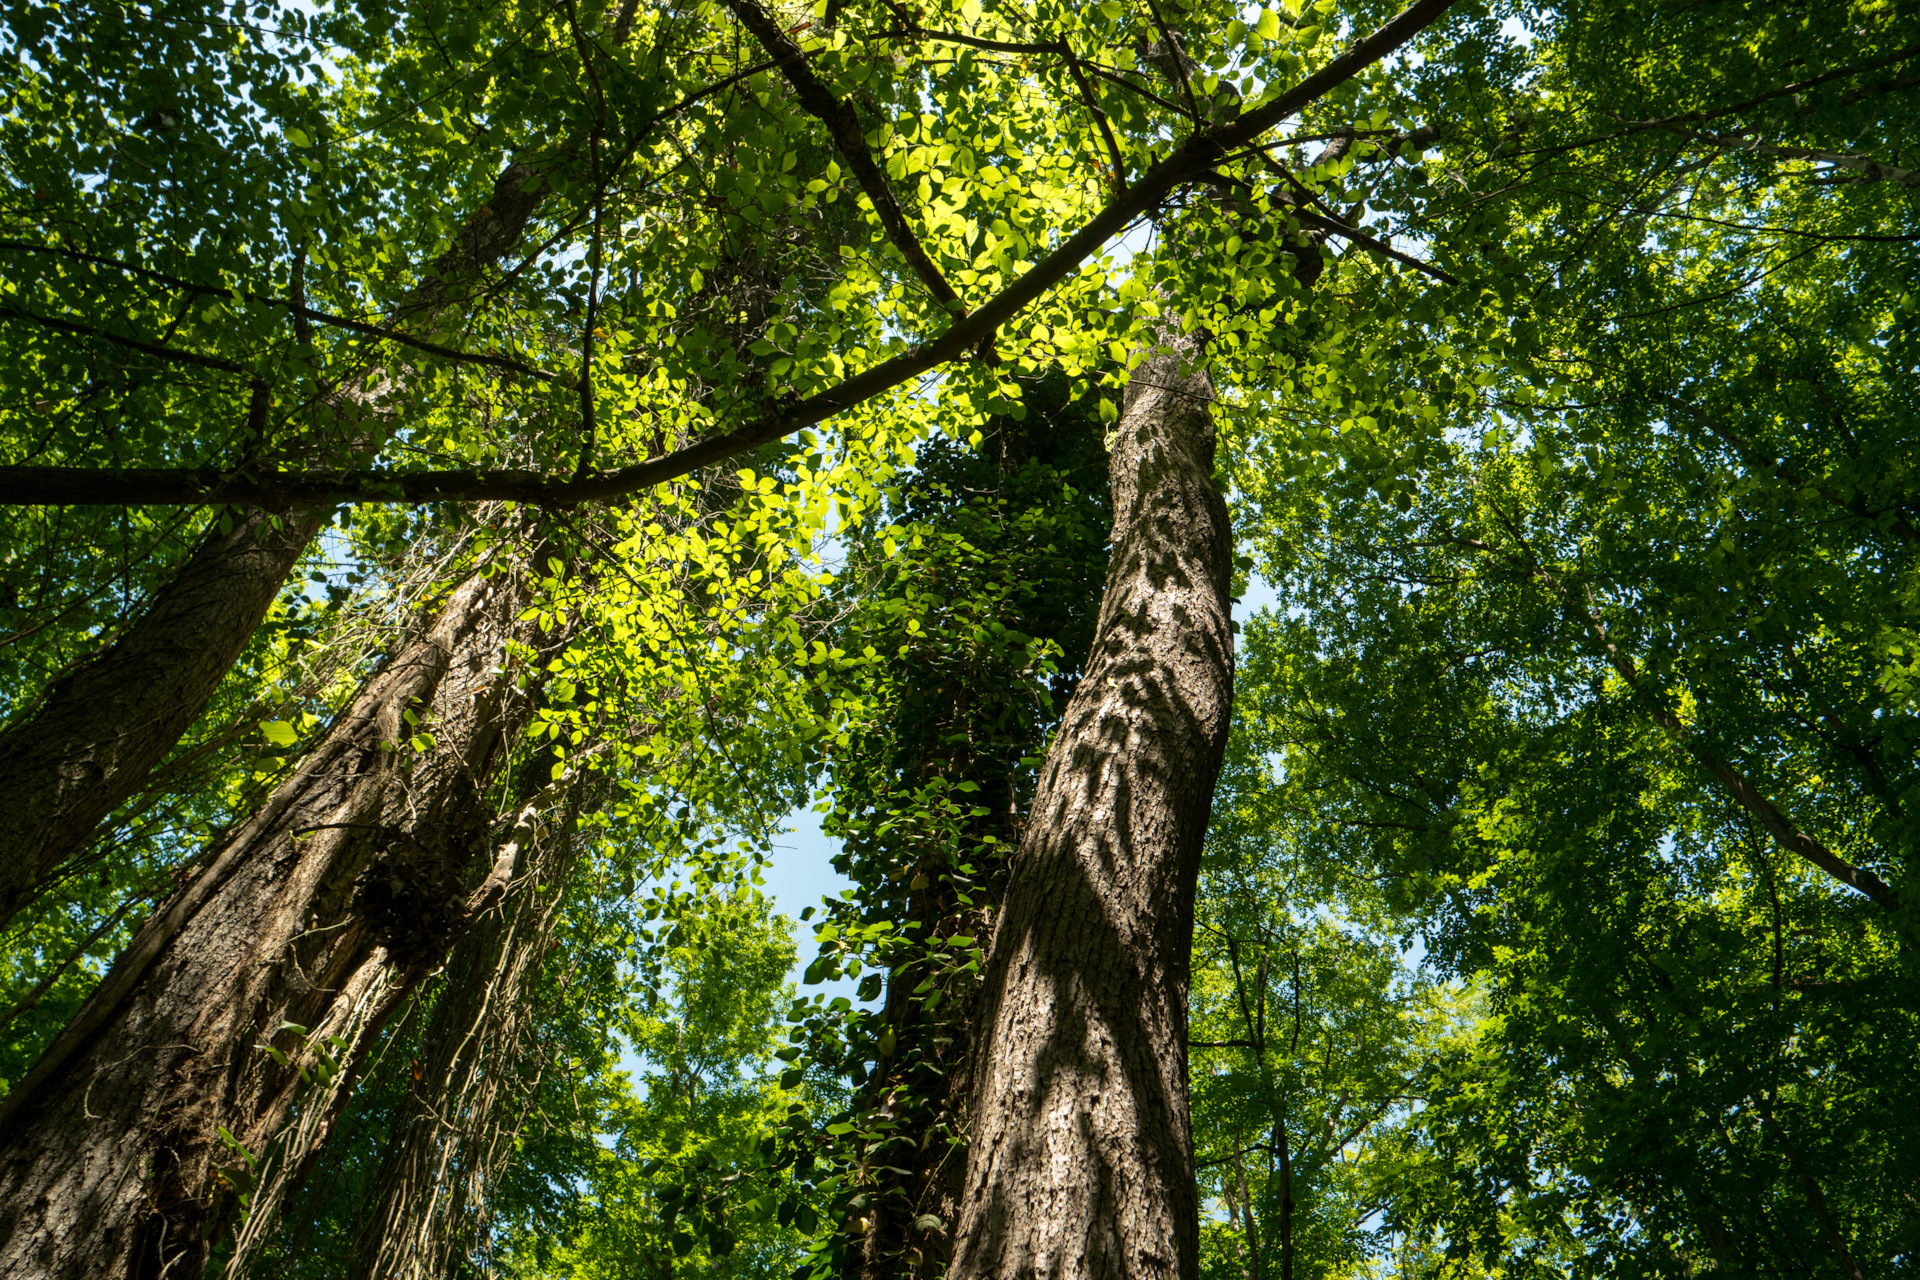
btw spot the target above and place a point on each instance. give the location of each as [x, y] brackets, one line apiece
[56, 486]
[844, 125]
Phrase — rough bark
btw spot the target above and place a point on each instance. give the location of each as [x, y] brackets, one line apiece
[470, 1090]
[320, 910]
[956, 718]
[1081, 1159]
[99, 731]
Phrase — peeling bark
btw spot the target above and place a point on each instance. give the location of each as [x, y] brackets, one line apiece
[1081, 1159]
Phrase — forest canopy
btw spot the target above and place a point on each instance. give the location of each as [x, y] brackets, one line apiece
[1344, 580]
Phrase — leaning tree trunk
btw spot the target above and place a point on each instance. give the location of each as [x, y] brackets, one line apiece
[97, 734]
[221, 1041]
[471, 1092]
[1081, 1159]
[100, 730]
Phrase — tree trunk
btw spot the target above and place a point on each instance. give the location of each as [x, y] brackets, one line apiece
[1286, 1200]
[962, 719]
[309, 922]
[469, 1095]
[99, 731]
[1081, 1161]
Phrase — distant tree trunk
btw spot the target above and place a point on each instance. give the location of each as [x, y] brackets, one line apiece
[99, 731]
[1081, 1160]
[309, 923]
[1284, 1142]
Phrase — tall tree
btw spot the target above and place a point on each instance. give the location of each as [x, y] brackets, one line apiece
[310, 920]
[94, 735]
[1085, 1013]
[967, 598]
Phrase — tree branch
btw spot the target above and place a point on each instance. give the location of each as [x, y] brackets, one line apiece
[1798, 86]
[1754, 461]
[1099, 115]
[120, 339]
[1749, 797]
[1189, 162]
[299, 310]
[1333, 226]
[844, 124]
[1869, 169]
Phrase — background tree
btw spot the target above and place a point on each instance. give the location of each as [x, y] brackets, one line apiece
[1632, 763]
[966, 596]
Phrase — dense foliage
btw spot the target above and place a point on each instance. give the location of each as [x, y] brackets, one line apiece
[1557, 911]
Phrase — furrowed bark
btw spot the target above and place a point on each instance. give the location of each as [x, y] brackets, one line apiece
[101, 729]
[1081, 1160]
[320, 910]
[469, 1095]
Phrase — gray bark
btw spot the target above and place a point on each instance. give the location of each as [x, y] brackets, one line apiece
[1081, 1160]
[321, 910]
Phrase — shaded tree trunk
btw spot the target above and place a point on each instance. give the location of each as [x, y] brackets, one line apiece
[309, 923]
[470, 1094]
[1081, 1160]
[100, 730]
[962, 716]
